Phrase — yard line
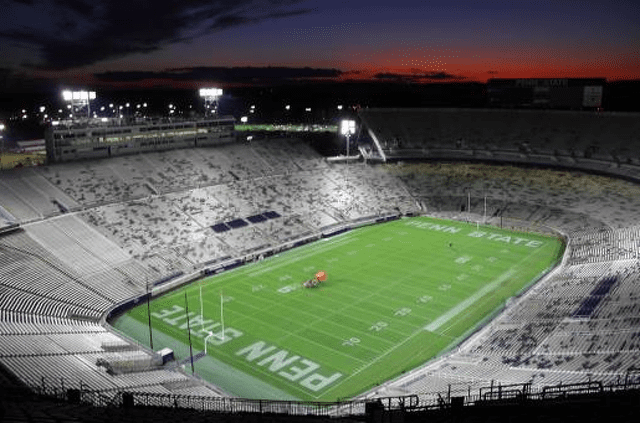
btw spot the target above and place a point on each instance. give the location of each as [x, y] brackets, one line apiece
[444, 318]
[295, 335]
[452, 312]
[313, 251]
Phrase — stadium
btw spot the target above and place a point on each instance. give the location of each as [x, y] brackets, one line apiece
[86, 242]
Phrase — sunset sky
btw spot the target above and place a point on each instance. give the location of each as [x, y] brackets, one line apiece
[182, 43]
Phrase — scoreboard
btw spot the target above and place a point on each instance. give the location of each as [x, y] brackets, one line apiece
[547, 93]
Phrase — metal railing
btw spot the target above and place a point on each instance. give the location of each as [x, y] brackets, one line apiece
[358, 407]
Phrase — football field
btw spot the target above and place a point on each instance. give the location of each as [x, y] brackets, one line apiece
[397, 294]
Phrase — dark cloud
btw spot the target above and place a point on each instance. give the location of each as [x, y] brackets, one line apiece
[418, 77]
[220, 74]
[83, 32]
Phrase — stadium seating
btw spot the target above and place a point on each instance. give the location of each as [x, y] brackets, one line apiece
[137, 220]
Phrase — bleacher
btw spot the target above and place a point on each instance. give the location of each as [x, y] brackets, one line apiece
[138, 220]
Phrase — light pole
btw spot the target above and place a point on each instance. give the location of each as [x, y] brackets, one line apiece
[211, 96]
[78, 99]
[348, 128]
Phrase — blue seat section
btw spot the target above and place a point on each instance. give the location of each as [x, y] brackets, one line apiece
[220, 227]
[256, 218]
[236, 223]
[596, 295]
[271, 214]
[240, 223]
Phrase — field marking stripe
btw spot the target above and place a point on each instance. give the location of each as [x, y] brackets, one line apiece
[454, 311]
[327, 246]
[436, 324]
[510, 271]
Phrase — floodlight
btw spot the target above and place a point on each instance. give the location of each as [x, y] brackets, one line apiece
[42, 109]
[1, 126]
[79, 99]
[348, 127]
[210, 92]
[287, 107]
[339, 106]
[210, 96]
[244, 119]
[24, 111]
[308, 109]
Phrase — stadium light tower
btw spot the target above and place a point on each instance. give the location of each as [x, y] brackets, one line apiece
[348, 128]
[211, 96]
[79, 99]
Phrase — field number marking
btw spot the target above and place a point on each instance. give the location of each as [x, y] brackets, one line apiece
[424, 299]
[288, 288]
[402, 312]
[351, 342]
[378, 326]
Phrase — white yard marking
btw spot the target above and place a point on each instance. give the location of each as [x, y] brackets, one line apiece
[310, 253]
[424, 299]
[462, 260]
[444, 318]
[405, 311]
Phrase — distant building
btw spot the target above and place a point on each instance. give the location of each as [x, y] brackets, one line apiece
[99, 138]
[546, 93]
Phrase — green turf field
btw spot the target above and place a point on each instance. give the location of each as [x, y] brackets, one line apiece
[397, 294]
